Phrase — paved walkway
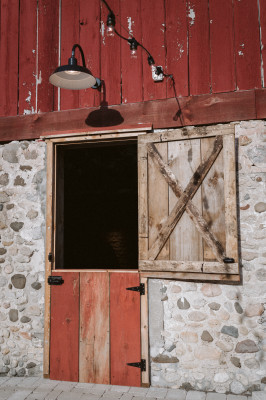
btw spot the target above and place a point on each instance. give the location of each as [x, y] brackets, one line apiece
[33, 388]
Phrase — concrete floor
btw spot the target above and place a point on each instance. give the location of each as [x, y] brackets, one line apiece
[33, 388]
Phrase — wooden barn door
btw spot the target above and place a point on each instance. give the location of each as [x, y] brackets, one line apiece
[95, 328]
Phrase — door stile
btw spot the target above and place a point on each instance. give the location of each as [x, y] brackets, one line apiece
[144, 333]
[48, 249]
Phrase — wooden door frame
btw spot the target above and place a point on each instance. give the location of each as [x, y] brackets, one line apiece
[76, 138]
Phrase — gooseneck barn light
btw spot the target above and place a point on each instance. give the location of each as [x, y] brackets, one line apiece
[73, 76]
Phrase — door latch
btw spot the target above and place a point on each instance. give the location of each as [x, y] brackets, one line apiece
[55, 280]
[140, 289]
[228, 260]
[141, 364]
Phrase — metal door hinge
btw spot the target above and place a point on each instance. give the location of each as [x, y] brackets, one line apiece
[141, 364]
[55, 280]
[140, 288]
[50, 257]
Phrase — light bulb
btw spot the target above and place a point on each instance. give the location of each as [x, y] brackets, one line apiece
[110, 31]
[134, 53]
[72, 72]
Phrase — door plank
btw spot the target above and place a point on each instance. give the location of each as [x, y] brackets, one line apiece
[124, 329]
[94, 328]
[185, 240]
[64, 347]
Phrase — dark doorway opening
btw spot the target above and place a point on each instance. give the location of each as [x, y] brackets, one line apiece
[97, 206]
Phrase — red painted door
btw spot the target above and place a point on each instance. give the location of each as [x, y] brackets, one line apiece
[95, 328]
[124, 329]
[64, 342]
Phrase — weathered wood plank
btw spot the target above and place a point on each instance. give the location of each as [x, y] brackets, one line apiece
[177, 48]
[143, 201]
[196, 110]
[28, 51]
[89, 39]
[94, 328]
[190, 276]
[130, 15]
[187, 195]
[185, 240]
[144, 326]
[9, 14]
[213, 201]
[222, 46]
[199, 47]
[48, 249]
[231, 234]
[64, 347]
[152, 19]
[188, 266]
[247, 45]
[48, 42]
[262, 22]
[125, 344]
[158, 204]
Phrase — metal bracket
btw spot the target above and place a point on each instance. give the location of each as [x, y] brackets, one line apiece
[55, 280]
[140, 289]
[50, 257]
[141, 364]
[228, 260]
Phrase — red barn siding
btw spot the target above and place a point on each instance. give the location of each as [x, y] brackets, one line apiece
[209, 46]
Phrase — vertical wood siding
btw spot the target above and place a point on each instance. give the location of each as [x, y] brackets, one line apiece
[210, 46]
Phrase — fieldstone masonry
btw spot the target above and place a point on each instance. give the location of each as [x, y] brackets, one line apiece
[202, 336]
[213, 336]
[22, 237]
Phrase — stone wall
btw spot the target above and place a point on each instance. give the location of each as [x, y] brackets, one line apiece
[22, 237]
[213, 336]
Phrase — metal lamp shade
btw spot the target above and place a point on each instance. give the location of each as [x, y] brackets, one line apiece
[72, 77]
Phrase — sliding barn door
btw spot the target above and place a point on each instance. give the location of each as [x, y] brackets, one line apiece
[95, 328]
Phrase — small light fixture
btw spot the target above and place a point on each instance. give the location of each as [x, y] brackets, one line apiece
[74, 76]
[133, 47]
[110, 31]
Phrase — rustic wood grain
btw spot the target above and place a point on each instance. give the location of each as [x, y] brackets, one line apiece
[9, 14]
[196, 110]
[48, 249]
[189, 276]
[28, 51]
[247, 45]
[125, 344]
[94, 328]
[187, 195]
[188, 266]
[157, 200]
[143, 200]
[144, 315]
[185, 240]
[64, 347]
[222, 46]
[231, 234]
[213, 201]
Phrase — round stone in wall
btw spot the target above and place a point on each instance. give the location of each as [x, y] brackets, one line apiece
[238, 308]
[230, 330]
[13, 315]
[206, 336]
[36, 285]
[16, 226]
[19, 181]
[2, 251]
[18, 281]
[260, 207]
[211, 290]
[246, 346]
[183, 304]
[25, 319]
[236, 362]
[21, 372]
[214, 306]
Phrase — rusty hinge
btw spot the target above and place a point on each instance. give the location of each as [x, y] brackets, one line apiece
[55, 280]
[140, 289]
[141, 364]
[50, 257]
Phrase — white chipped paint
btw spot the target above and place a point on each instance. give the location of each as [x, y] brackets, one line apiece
[240, 53]
[192, 16]
[28, 99]
[33, 51]
[102, 29]
[39, 79]
[130, 25]
[28, 112]
[242, 45]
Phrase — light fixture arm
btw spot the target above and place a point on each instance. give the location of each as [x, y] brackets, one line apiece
[72, 60]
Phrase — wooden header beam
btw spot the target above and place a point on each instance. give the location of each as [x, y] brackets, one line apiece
[168, 113]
